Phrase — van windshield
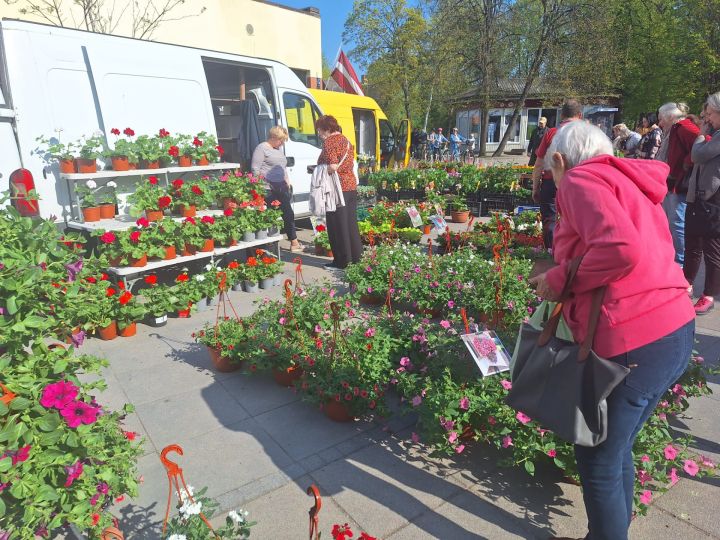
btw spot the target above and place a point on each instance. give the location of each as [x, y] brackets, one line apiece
[301, 114]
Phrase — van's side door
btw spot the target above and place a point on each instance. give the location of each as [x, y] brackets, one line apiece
[402, 148]
[304, 144]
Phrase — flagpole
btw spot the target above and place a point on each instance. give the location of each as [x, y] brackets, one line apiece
[427, 113]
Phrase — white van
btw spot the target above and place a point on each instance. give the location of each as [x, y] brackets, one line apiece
[66, 83]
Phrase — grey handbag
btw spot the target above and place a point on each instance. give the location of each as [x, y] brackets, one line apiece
[562, 385]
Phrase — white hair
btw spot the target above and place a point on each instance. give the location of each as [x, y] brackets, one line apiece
[578, 141]
[670, 112]
[713, 101]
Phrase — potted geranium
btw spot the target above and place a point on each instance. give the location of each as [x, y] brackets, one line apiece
[226, 341]
[322, 242]
[108, 201]
[90, 150]
[206, 148]
[182, 149]
[226, 231]
[124, 151]
[189, 197]
[123, 248]
[233, 189]
[151, 198]
[268, 268]
[159, 300]
[459, 210]
[150, 150]
[251, 273]
[129, 311]
[64, 154]
[89, 201]
[162, 238]
[198, 234]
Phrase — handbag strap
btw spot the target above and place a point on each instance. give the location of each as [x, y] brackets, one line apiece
[551, 326]
[345, 155]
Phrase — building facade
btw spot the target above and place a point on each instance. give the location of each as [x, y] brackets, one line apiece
[249, 27]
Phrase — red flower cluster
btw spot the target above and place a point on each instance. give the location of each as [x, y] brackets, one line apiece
[321, 228]
[135, 237]
[174, 151]
[220, 150]
[252, 261]
[233, 265]
[110, 292]
[115, 131]
[178, 183]
[164, 202]
[129, 132]
[196, 190]
[163, 133]
[275, 203]
[153, 180]
[108, 237]
[151, 279]
[197, 142]
[228, 212]
[268, 260]
[190, 220]
[208, 219]
[125, 298]
[181, 278]
[142, 222]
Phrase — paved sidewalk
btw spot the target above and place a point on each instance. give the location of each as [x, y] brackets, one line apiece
[257, 446]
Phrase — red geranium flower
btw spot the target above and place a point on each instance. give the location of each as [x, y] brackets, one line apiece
[130, 435]
[228, 211]
[142, 222]
[103, 277]
[208, 219]
[153, 180]
[259, 251]
[151, 279]
[135, 237]
[190, 220]
[163, 133]
[95, 519]
[275, 203]
[174, 151]
[108, 237]
[115, 131]
[109, 292]
[91, 279]
[268, 260]
[181, 278]
[129, 132]
[177, 183]
[121, 285]
[233, 265]
[321, 228]
[252, 261]
[197, 142]
[220, 149]
[196, 190]
[125, 297]
[164, 202]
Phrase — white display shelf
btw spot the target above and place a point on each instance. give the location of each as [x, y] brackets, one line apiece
[121, 223]
[126, 271]
[148, 172]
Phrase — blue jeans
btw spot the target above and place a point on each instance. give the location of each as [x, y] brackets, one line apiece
[607, 471]
[674, 206]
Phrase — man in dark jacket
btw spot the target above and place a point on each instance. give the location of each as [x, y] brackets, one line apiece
[535, 138]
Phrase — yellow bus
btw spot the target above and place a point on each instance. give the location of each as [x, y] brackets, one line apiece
[365, 124]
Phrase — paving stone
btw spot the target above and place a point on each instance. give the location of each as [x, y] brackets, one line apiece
[702, 422]
[658, 525]
[688, 501]
[463, 517]
[258, 393]
[318, 432]
[283, 513]
[180, 417]
[381, 491]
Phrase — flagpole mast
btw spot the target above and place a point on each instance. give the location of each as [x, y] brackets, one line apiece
[427, 113]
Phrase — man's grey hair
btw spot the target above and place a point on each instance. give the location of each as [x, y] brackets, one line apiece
[579, 141]
[670, 113]
[713, 101]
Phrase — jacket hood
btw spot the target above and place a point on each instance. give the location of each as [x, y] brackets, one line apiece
[649, 175]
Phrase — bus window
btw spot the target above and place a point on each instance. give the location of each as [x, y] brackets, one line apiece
[365, 132]
[387, 143]
[300, 115]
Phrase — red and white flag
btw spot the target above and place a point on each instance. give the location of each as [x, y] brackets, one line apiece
[343, 77]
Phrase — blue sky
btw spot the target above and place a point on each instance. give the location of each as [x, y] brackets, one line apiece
[332, 14]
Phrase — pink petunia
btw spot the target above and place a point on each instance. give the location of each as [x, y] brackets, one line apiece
[464, 403]
[646, 497]
[522, 418]
[670, 452]
[507, 385]
[452, 437]
[673, 476]
[73, 473]
[552, 453]
[690, 467]
[707, 462]
[21, 455]
[643, 477]
[415, 437]
[450, 304]
[58, 394]
[459, 448]
[507, 441]
[645, 458]
[370, 332]
[77, 412]
[445, 324]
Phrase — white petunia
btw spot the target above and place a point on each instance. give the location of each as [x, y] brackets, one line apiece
[177, 537]
[91, 184]
[199, 277]
[190, 509]
[111, 184]
[208, 267]
[237, 518]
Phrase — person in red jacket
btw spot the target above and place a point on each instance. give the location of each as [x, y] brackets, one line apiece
[682, 133]
[611, 215]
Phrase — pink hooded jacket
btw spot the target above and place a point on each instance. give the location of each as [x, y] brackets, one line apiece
[609, 209]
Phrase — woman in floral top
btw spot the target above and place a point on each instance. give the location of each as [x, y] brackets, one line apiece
[338, 153]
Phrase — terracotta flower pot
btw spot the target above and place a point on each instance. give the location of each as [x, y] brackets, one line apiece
[184, 313]
[120, 163]
[153, 215]
[189, 250]
[108, 332]
[371, 299]
[138, 263]
[203, 161]
[132, 166]
[145, 164]
[129, 331]
[329, 253]
[107, 211]
[460, 217]
[170, 253]
[184, 161]
[115, 261]
[67, 166]
[222, 363]
[427, 229]
[91, 214]
[209, 245]
[86, 166]
[186, 210]
[286, 377]
[319, 250]
[337, 411]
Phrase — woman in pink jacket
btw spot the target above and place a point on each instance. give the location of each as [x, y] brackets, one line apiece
[610, 212]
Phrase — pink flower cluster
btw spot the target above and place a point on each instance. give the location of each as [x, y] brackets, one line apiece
[61, 395]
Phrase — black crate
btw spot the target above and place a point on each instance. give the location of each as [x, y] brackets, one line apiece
[401, 194]
[501, 203]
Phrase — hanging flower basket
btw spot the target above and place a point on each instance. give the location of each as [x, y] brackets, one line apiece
[222, 363]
